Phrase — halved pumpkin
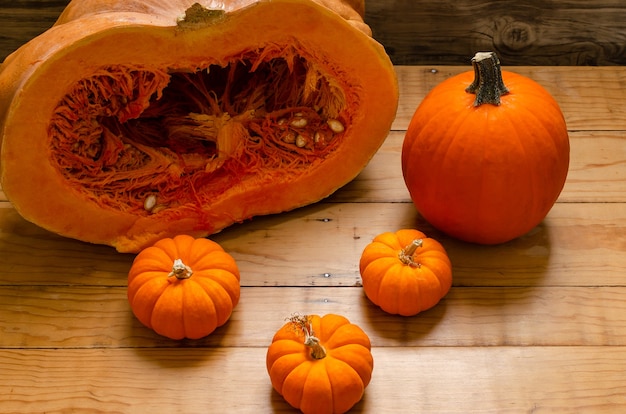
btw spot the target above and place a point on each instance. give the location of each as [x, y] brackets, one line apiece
[131, 121]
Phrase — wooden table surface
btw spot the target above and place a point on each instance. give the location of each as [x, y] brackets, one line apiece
[535, 325]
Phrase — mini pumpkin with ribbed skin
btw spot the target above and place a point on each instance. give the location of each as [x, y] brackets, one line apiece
[183, 287]
[405, 272]
[320, 365]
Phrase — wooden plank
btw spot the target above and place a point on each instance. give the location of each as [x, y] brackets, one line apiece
[532, 32]
[596, 172]
[82, 317]
[416, 380]
[586, 239]
[572, 32]
[32, 255]
[20, 21]
[591, 98]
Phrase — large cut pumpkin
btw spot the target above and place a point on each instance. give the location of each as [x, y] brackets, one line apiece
[131, 121]
[486, 154]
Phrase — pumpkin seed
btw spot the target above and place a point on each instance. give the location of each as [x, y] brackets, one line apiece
[335, 125]
[150, 202]
[289, 137]
[299, 122]
[300, 141]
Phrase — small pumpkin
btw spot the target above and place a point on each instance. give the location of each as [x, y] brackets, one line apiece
[405, 272]
[183, 287]
[320, 365]
[486, 154]
[133, 120]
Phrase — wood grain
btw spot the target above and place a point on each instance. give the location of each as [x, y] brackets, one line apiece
[436, 32]
[84, 317]
[22, 20]
[603, 179]
[591, 98]
[534, 325]
[325, 249]
[531, 32]
[405, 380]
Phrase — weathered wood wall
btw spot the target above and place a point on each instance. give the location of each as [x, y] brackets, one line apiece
[424, 32]
[21, 20]
[522, 32]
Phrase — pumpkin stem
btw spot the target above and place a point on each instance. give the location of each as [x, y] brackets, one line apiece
[302, 323]
[180, 270]
[198, 16]
[488, 84]
[406, 254]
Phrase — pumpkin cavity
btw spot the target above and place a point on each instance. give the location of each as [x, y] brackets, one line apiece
[145, 140]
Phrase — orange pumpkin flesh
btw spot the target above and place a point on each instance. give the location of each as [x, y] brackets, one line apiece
[320, 365]
[405, 272]
[491, 171]
[183, 287]
[121, 126]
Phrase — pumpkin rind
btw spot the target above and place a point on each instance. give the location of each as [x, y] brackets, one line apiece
[111, 188]
[191, 307]
[332, 384]
[489, 173]
[402, 288]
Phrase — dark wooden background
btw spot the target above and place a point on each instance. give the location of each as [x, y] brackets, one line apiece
[438, 32]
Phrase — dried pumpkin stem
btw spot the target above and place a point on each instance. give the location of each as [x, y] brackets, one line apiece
[488, 84]
[302, 323]
[406, 254]
[180, 270]
[198, 16]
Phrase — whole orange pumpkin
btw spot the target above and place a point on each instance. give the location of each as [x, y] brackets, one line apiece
[133, 120]
[486, 154]
[405, 272]
[183, 287]
[320, 365]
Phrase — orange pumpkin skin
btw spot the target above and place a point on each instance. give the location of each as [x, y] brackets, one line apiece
[486, 174]
[124, 124]
[333, 383]
[405, 272]
[183, 287]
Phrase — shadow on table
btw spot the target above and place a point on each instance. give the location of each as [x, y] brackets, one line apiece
[493, 286]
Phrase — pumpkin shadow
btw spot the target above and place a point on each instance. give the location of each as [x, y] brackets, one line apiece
[522, 262]
[177, 353]
[278, 404]
[398, 330]
[41, 257]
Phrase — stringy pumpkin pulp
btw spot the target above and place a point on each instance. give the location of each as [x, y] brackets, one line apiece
[145, 141]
